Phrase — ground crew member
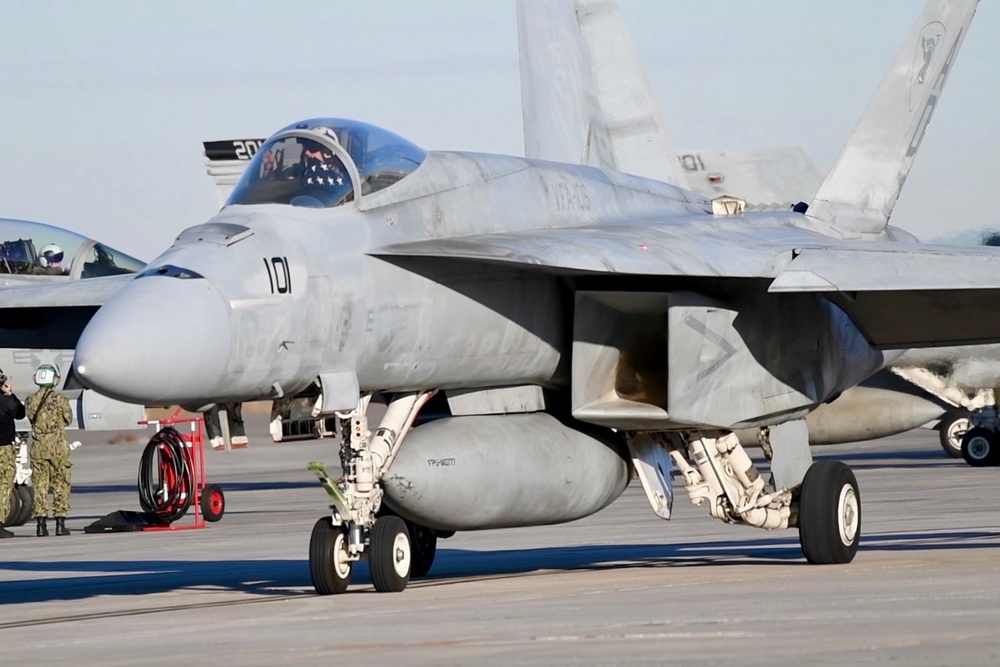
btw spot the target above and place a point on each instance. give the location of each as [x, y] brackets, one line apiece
[11, 409]
[49, 414]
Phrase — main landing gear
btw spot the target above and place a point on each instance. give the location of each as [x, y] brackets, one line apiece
[359, 526]
[952, 429]
[824, 502]
[981, 447]
[980, 444]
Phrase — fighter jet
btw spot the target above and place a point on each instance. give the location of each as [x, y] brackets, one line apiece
[578, 321]
[33, 253]
[768, 178]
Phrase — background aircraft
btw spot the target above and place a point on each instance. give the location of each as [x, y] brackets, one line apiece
[33, 253]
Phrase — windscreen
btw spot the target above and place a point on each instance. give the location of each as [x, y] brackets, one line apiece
[301, 171]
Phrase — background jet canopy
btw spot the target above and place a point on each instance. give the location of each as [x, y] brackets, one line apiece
[22, 243]
[302, 171]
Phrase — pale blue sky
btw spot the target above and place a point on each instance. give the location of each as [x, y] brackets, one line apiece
[104, 104]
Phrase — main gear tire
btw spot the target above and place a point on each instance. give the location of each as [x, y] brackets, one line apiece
[829, 513]
[953, 427]
[390, 554]
[15, 509]
[423, 542]
[981, 447]
[26, 494]
[329, 565]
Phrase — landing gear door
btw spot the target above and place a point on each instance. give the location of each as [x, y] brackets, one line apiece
[95, 412]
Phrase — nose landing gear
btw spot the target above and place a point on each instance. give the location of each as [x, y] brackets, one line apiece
[357, 529]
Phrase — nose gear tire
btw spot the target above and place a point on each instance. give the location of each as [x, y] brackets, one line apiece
[390, 555]
[329, 566]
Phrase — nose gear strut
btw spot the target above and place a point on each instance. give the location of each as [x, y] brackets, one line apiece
[356, 529]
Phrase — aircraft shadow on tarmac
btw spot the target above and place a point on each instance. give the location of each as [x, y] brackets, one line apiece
[286, 577]
[889, 458]
[228, 486]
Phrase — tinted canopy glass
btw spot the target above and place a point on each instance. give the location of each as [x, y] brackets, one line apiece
[300, 168]
[34, 248]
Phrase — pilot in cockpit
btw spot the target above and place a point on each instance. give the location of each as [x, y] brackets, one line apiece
[50, 261]
[269, 163]
[321, 167]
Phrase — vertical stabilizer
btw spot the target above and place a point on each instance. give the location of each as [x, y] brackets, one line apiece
[861, 189]
[585, 96]
[226, 161]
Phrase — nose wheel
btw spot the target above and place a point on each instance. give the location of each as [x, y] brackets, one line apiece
[390, 555]
[330, 565]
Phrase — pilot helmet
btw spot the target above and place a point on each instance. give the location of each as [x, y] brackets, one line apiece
[47, 375]
[49, 255]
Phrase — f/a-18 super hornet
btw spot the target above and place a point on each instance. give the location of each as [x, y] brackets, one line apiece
[767, 177]
[579, 323]
[33, 253]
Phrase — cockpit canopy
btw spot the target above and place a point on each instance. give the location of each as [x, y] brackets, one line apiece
[324, 162]
[34, 248]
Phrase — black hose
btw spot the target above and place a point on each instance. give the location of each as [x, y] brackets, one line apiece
[166, 487]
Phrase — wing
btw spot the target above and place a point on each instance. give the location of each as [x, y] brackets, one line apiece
[637, 248]
[900, 295]
[905, 295]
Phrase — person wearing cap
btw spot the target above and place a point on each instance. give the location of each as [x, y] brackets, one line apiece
[11, 409]
[49, 413]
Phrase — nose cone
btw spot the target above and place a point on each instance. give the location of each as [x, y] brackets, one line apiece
[158, 341]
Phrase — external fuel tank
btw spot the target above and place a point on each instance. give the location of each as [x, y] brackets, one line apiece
[503, 471]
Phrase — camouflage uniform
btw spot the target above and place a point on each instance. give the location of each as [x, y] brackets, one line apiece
[50, 414]
[8, 470]
[11, 409]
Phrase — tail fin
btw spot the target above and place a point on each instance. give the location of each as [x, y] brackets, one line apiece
[585, 96]
[861, 189]
[226, 161]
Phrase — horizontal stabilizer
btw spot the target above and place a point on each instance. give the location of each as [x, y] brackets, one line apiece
[769, 179]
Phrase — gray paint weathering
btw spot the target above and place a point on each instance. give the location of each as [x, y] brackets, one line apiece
[463, 271]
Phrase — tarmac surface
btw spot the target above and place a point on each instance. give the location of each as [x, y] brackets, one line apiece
[620, 587]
